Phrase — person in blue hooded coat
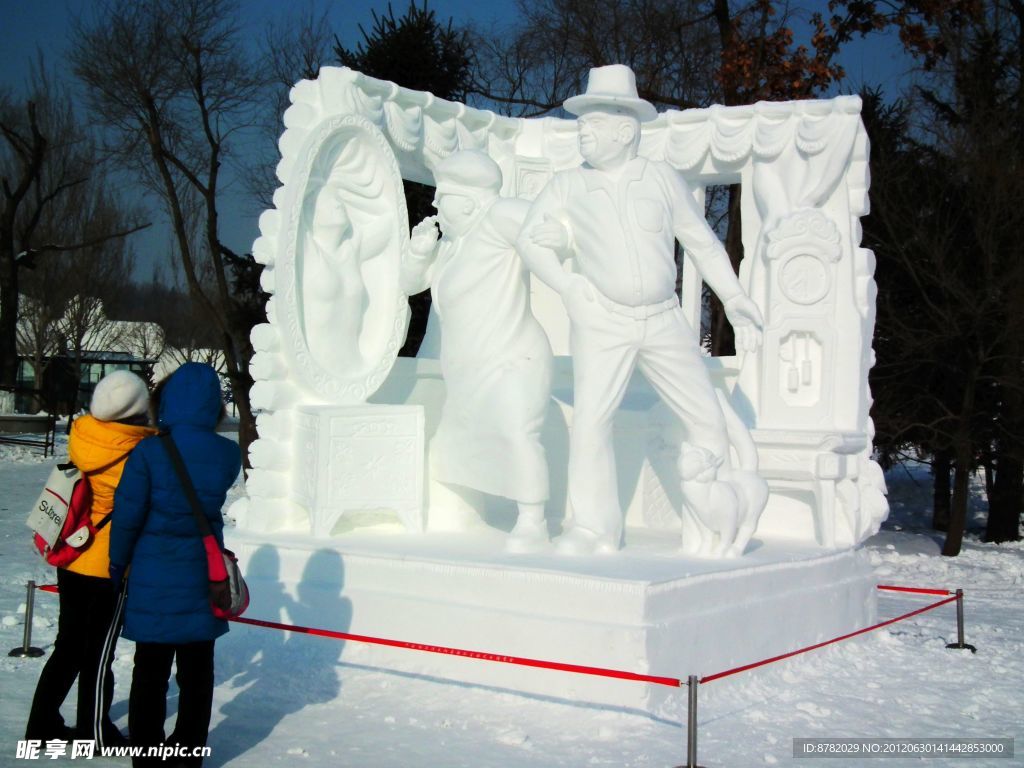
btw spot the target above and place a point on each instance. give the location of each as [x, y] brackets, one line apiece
[154, 530]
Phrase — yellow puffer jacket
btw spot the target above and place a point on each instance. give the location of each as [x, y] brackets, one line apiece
[93, 444]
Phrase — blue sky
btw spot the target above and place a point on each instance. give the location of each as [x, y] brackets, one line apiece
[28, 25]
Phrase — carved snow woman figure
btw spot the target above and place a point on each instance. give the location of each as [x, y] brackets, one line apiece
[495, 357]
[333, 290]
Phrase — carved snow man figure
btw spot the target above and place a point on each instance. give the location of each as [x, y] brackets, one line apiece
[618, 216]
[495, 357]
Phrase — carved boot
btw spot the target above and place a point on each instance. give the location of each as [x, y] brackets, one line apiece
[581, 541]
[531, 531]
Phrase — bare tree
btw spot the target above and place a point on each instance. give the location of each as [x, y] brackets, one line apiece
[192, 353]
[37, 339]
[294, 47]
[171, 81]
[532, 69]
[46, 164]
[143, 340]
[67, 290]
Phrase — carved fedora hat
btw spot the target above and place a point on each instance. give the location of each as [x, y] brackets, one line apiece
[611, 88]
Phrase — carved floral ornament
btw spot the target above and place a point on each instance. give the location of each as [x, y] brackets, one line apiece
[808, 229]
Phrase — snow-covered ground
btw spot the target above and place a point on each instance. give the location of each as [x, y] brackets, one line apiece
[290, 699]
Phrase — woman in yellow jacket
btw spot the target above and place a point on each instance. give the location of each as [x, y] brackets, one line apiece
[99, 445]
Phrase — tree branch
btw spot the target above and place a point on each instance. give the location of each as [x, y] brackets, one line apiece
[30, 254]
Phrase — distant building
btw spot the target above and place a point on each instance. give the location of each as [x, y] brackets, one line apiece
[106, 346]
[59, 384]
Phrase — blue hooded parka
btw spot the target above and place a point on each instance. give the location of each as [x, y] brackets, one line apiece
[153, 527]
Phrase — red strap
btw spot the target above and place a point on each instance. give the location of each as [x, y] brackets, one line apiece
[106, 466]
[214, 559]
[54, 493]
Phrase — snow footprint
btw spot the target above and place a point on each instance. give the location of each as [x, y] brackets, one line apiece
[812, 709]
[514, 738]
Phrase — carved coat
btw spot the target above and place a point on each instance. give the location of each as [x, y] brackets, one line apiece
[495, 358]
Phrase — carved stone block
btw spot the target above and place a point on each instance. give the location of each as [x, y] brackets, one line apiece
[360, 458]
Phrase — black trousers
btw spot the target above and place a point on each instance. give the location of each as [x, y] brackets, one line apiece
[86, 610]
[147, 707]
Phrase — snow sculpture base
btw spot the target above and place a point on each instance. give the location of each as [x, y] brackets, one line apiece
[362, 458]
[647, 610]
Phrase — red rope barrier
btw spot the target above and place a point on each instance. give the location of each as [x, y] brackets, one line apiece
[576, 668]
[745, 667]
[914, 590]
[523, 662]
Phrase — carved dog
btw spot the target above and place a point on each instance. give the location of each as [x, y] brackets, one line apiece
[721, 504]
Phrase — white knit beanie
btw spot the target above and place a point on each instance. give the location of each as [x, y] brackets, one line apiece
[119, 395]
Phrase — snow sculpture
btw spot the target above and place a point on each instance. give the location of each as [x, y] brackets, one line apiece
[495, 358]
[799, 403]
[618, 217]
[351, 441]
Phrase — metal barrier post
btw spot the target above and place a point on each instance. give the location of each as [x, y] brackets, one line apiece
[691, 723]
[960, 644]
[26, 649]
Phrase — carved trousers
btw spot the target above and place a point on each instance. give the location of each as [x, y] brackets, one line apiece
[607, 345]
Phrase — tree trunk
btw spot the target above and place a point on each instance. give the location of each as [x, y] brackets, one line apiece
[77, 392]
[940, 490]
[958, 509]
[723, 340]
[963, 448]
[8, 316]
[419, 204]
[246, 421]
[241, 383]
[990, 476]
[39, 369]
[1004, 503]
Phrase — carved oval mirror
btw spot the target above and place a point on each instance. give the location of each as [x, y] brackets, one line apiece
[343, 313]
